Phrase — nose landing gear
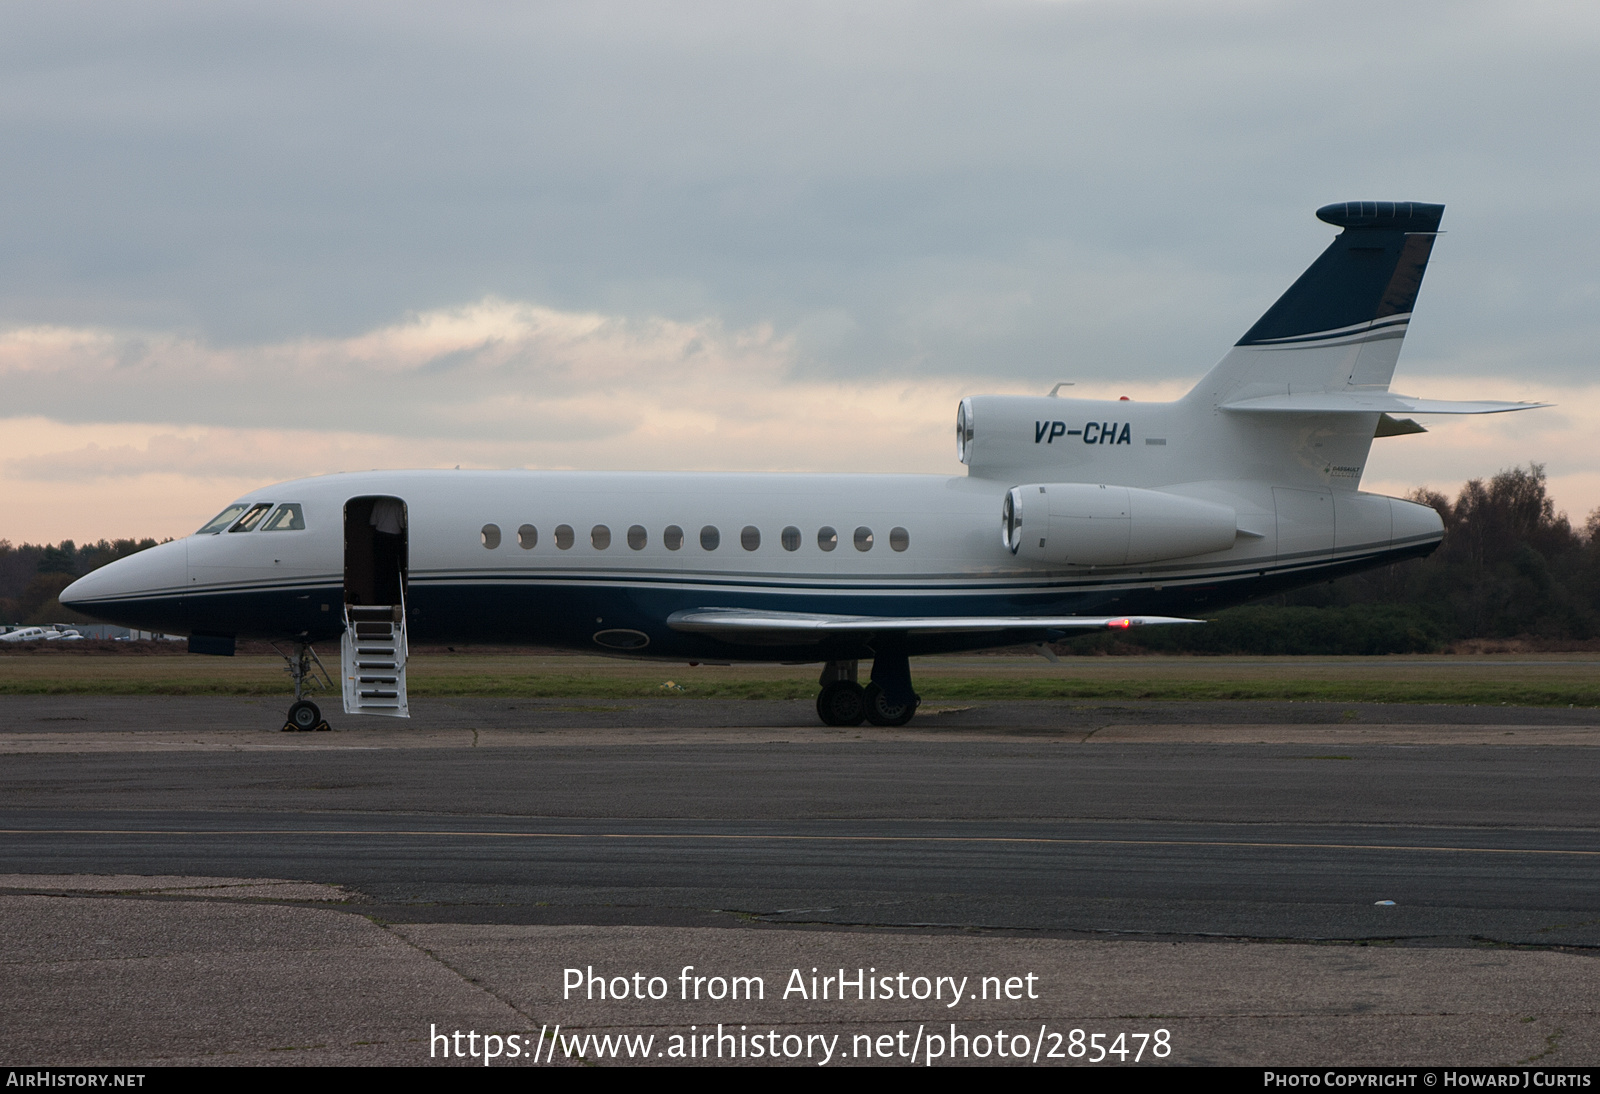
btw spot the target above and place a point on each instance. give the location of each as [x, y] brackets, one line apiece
[305, 667]
[304, 717]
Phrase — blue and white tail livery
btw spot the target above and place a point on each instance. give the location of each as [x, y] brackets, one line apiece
[1073, 514]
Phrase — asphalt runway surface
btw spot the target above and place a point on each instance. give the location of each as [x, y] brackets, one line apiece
[1029, 817]
[184, 883]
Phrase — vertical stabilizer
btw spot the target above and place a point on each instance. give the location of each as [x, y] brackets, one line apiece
[1340, 326]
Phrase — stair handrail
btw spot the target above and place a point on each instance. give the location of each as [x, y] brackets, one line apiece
[405, 643]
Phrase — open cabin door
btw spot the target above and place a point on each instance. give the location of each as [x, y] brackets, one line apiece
[373, 650]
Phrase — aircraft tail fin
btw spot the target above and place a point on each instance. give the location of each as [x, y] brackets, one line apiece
[1339, 326]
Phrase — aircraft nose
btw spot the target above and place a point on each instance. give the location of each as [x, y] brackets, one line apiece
[119, 588]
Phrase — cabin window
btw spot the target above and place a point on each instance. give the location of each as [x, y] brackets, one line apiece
[899, 539]
[527, 537]
[672, 538]
[564, 536]
[222, 519]
[750, 537]
[600, 537]
[827, 538]
[248, 522]
[790, 538]
[710, 538]
[638, 537]
[490, 535]
[288, 518]
[863, 539]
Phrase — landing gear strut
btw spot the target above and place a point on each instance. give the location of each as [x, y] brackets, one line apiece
[887, 701]
[305, 667]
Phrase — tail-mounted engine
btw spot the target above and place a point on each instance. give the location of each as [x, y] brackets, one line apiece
[1001, 436]
[1085, 524]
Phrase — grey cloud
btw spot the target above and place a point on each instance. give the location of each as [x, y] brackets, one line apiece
[909, 188]
[493, 370]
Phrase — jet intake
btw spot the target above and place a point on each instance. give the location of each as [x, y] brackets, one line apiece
[1086, 524]
[1010, 436]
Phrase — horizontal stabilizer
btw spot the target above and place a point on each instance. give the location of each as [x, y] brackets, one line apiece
[740, 624]
[1369, 402]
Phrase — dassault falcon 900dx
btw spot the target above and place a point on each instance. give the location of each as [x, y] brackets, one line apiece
[1073, 514]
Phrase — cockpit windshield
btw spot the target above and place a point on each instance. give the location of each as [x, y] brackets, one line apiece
[222, 519]
[248, 522]
[288, 518]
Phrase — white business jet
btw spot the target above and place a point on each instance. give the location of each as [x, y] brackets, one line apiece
[1074, 514]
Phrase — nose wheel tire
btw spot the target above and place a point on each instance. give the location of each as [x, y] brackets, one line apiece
[304, 717]
[881, 712]
[842, 703]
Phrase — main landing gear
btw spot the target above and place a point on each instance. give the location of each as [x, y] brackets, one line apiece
[887, 701]
[305, 666]
[842, 701]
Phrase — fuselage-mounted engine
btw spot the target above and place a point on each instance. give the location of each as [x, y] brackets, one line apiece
[1088, 524]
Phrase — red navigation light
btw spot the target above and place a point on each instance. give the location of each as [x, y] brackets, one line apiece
[1122, 623]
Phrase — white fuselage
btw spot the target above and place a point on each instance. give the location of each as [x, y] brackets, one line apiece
[557, 557]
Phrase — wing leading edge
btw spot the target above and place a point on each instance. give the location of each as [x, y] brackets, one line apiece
[741, 624]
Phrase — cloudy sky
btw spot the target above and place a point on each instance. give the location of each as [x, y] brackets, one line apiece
[245, 242]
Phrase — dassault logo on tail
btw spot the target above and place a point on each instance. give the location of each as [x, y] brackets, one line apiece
[1092, 432]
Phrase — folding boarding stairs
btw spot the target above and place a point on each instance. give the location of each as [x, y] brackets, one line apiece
[373, 658]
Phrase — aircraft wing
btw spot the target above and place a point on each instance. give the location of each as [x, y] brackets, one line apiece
[1370, 402]
[741, 624]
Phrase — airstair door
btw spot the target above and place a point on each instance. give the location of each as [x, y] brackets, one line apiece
[373, 651]
[373, 659]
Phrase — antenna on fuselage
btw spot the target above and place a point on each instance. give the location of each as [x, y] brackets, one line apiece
[1058, 387]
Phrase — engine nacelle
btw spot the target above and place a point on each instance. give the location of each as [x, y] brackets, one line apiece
[1016, 436]
[1085, 524]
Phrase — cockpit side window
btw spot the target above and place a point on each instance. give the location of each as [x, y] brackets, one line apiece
[222, 520]
[248, 522]
[288, 518]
